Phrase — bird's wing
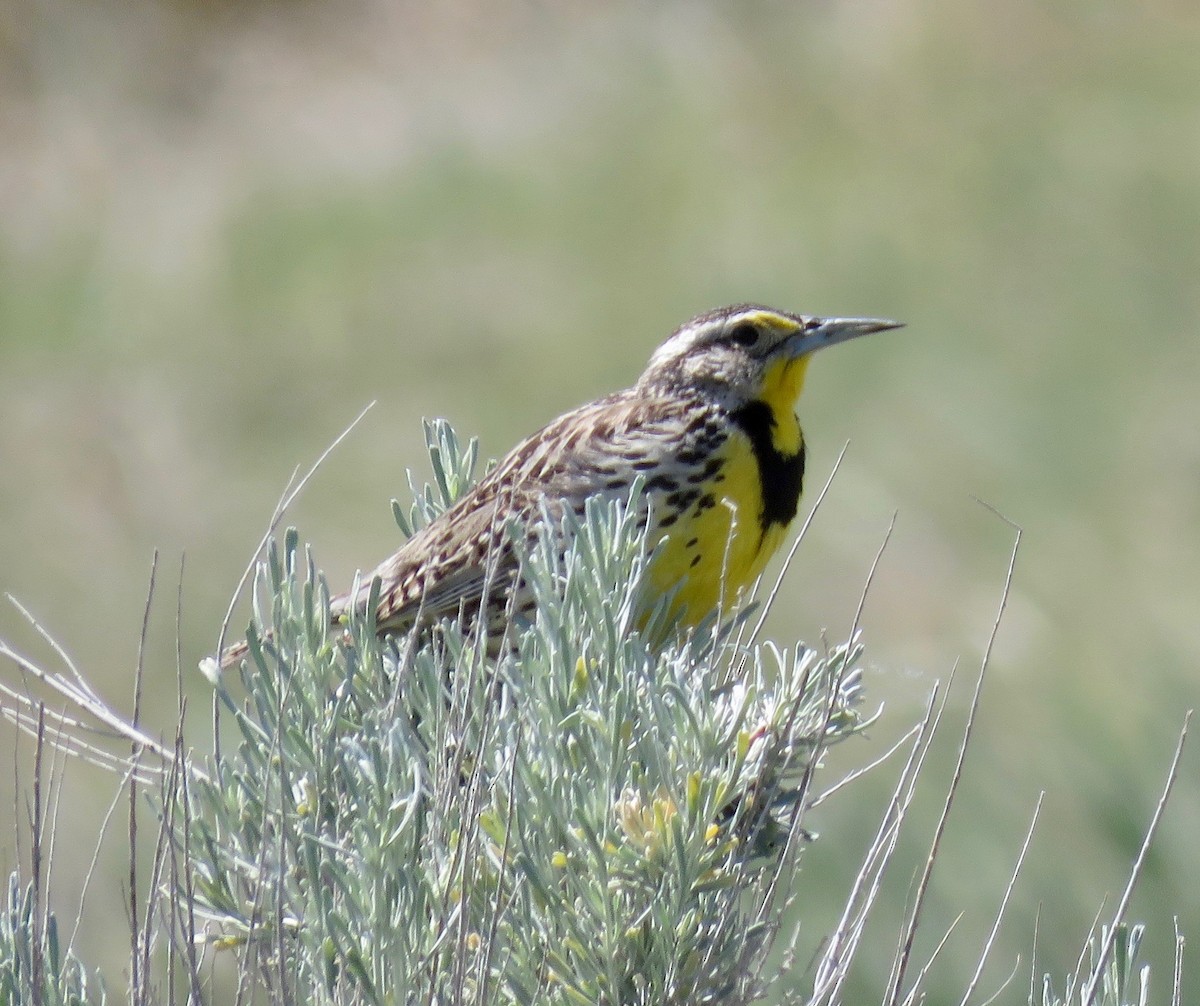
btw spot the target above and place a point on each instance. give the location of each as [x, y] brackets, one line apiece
[440, 568]
[448, 566]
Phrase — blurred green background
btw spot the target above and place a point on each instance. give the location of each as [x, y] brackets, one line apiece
[226, 227]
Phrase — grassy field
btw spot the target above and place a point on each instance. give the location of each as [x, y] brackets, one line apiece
[226, 229]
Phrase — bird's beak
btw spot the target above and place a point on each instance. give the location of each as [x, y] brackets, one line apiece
[822, 332]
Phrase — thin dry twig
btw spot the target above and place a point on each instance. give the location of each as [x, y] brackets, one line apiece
[23, 714]
[1037, 923]
[1012, 880]
[995, 996]
[139, 979]
[91, 870]
[857, 773]
[787, 561]
[833, 966]
[911, 998]
[862, 597]
[290, 492]
[1177, 971]
[893, 996]
[1093, 985]
[81, 697]
[36, 824]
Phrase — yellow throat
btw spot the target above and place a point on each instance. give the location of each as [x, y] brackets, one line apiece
[713, 554]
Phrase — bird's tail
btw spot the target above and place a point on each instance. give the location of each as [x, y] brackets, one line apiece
[232, 656]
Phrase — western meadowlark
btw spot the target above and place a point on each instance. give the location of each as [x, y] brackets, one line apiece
[710, 427]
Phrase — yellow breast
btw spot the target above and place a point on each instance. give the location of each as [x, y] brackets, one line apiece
[712, 553]
[719, 545]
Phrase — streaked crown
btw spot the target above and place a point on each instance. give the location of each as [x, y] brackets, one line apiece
[730, 350]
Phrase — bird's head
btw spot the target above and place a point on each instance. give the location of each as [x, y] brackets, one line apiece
[749, 352]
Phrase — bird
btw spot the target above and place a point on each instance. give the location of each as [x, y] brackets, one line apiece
[710, 434]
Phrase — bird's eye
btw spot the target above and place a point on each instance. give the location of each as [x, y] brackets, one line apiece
[744, 334]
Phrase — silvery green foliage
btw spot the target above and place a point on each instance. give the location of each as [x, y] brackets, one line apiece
[34, 965]
[596, 817]
[1124, 980]
[453, 474]
[591, 818]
